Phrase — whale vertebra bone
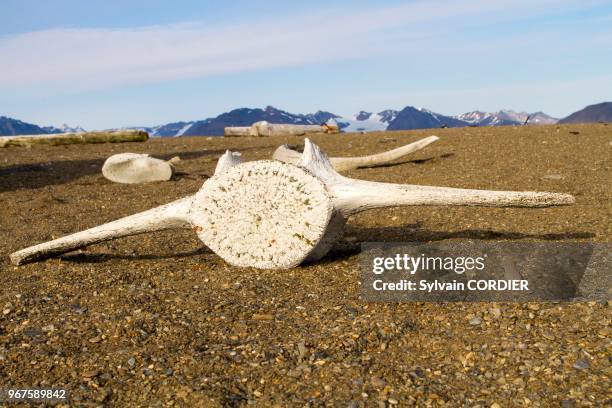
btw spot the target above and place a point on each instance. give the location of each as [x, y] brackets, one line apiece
[274, 215]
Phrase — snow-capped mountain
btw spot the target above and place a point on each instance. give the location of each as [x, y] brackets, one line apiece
[421, 118]
[363, 121]
[367, 121]
[64, 129]
[173, 129]
[540, 118]
[506, 117]
[237, 117]
[246, 117]
[406, 119]
[11, 127]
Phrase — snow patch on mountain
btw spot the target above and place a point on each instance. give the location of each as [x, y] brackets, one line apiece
[506, 117]
[64, 128]
[184, 129]
[367, 121]
[540, 118]
[363, 121]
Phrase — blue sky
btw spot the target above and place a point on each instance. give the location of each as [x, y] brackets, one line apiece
[111, 63]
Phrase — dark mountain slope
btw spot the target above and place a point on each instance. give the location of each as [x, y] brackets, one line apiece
[601, 112]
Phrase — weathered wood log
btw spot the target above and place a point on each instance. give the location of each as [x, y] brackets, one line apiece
[264, 128]
[116, 136]
[276, 129]
[239, 131]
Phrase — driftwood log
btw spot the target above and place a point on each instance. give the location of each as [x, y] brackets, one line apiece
[270, 214]
[264, 128]
[115, 136]
[239, 131]
[287, 155]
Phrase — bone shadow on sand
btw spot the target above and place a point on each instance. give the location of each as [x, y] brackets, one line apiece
[344, 250]
[37, 175]
[425, 160]
[413, 233]
[87, 258]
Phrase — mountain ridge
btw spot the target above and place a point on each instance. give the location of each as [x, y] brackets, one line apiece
[599, 112]
[12, 127]
[407, 118]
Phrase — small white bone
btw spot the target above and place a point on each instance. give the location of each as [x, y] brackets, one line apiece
[269, 214]
[132, 168]
[287, 155]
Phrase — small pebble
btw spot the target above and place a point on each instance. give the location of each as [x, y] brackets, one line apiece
[582, 364]
[475, 321]
[90, 373]
[377, 382]
[48, 328]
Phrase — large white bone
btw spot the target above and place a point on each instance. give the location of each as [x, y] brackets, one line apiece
[132, 168]
[263, 214]
[269, 214]
[288, 155]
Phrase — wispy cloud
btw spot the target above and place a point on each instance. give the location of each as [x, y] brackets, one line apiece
[84, 59]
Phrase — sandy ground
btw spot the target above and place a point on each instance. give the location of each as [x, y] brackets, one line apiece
[158, 320]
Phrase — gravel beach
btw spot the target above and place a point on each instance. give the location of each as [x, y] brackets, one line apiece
[159, 320]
